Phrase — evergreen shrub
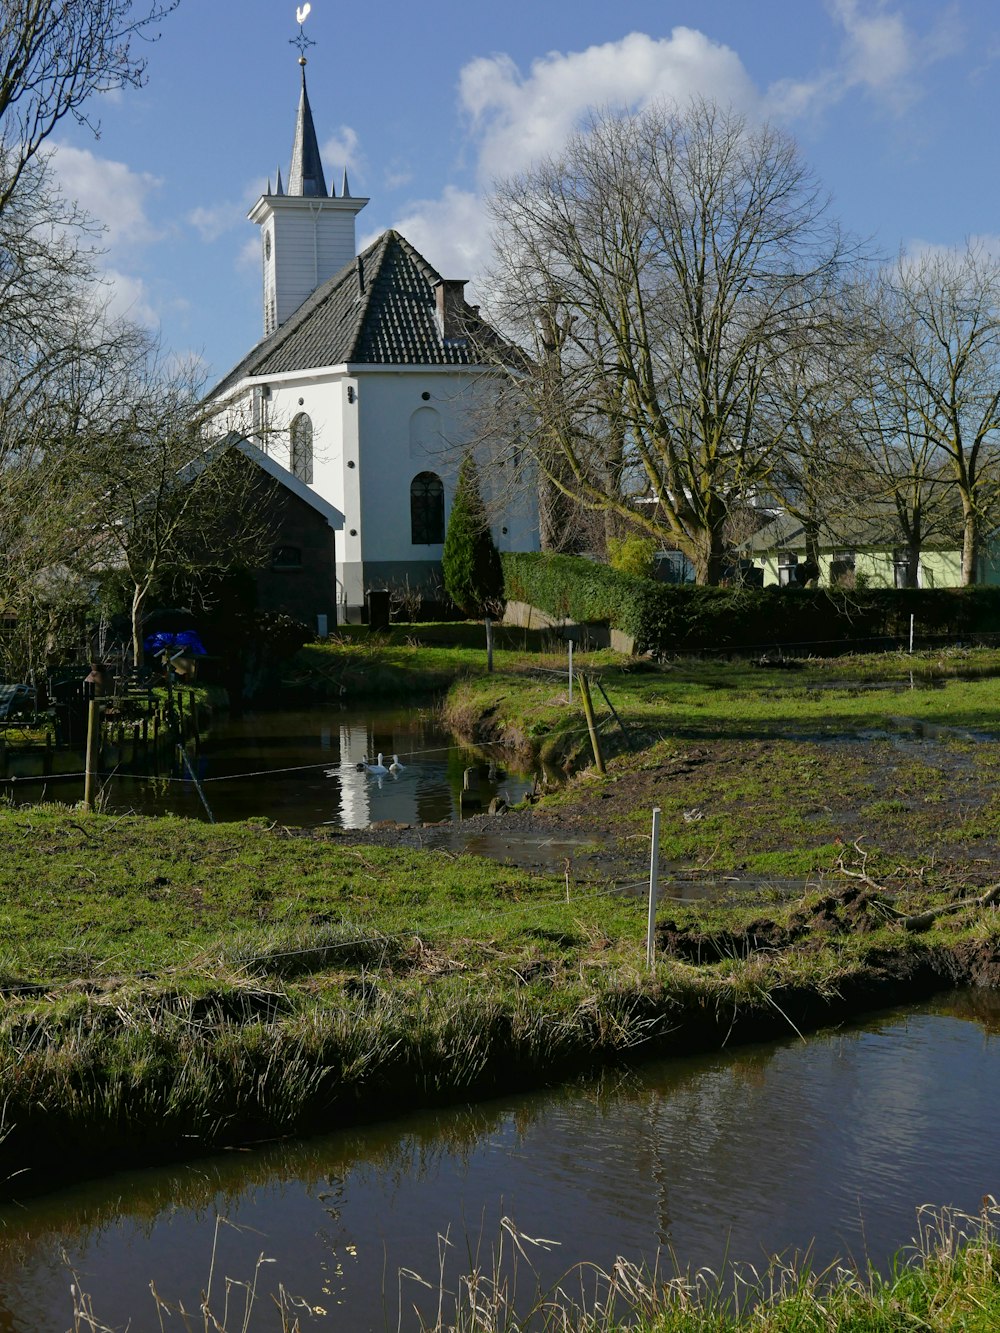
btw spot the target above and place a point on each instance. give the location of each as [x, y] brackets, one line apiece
[470, 562]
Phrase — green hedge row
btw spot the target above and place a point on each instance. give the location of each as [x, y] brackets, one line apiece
[671, 618]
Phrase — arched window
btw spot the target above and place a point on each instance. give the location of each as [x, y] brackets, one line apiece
[426, 510]
[286, 557]
[301, 450]
[425, 433]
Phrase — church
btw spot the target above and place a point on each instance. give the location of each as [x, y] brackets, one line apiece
[374, 376]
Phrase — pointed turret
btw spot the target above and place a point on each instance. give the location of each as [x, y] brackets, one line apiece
[345, 192]
[306, 174]
[307, 234]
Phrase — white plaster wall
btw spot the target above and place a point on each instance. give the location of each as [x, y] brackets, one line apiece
[392, 453]
[377, 433]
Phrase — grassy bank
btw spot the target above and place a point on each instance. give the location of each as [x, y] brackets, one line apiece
[358, 663]
[171, 986]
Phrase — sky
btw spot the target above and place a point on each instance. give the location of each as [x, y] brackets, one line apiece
[894, 105]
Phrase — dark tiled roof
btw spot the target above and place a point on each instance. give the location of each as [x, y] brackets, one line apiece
[380, 309]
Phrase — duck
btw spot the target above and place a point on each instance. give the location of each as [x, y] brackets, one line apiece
[396, 766]
[378, 768]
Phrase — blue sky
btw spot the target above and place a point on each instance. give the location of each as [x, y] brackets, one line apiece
[893, 103]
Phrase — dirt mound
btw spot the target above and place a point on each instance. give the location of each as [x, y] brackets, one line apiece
[848, 911]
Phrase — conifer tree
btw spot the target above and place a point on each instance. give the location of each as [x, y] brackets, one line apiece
[473, 577]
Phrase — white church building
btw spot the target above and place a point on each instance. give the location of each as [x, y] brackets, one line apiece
[361, 398]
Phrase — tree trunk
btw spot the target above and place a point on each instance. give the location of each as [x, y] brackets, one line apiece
[970, 546]
[138, 602]
[913, 563]
[711, 558]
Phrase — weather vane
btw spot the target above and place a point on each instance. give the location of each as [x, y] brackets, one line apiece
[302, 41]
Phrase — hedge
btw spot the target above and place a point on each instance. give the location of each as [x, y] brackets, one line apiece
[671, 618]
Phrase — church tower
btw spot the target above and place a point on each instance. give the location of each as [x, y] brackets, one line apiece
[307, 234]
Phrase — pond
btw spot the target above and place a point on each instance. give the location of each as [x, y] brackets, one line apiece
[297, 768]
[830, 1144]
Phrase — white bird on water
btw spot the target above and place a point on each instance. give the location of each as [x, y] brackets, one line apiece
[396, 766]
[378, 768]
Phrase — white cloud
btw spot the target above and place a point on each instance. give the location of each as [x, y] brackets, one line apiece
[452, 232]
[211, 223]
[248, 259]
[111, 193]
[128, 299]
[520, 119]
[884, 55]
[517, 118]
[340, 152]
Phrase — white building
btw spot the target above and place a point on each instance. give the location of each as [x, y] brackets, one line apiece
[367, 387]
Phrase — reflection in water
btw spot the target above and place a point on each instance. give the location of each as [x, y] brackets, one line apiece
[835, 1141]
[299, 768]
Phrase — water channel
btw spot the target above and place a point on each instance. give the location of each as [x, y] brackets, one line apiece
[832, 1143]
[298, 768]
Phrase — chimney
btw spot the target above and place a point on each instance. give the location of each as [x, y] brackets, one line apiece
[450, 300]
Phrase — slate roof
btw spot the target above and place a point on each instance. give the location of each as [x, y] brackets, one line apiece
[380, 309]
[306, 174]
[876, 530]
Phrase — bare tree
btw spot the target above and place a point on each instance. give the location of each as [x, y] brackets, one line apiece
[906, 477]
[54, 56]
[162, 495]
[656, 274]
[943, 366]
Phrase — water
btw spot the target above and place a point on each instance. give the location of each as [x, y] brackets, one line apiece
[831, 1144]
[297, 768]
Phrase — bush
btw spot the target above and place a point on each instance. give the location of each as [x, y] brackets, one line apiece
[633, 555]
[677, 618]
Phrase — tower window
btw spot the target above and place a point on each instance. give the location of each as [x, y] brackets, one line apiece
[426, 510]
[301, 447]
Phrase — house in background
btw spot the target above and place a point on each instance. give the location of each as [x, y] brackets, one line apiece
[852, 550]
[373, 378]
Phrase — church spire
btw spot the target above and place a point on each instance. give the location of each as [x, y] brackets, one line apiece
[307, 234]
[306, 174]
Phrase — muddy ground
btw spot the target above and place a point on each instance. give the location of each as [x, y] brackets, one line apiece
[898, 807]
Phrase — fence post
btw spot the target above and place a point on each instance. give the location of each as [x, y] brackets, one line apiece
[489, 644]
[571, 672]
[588, 708]
[654, 874]
[93, 742]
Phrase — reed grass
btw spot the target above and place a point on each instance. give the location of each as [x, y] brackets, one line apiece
[948, 1279]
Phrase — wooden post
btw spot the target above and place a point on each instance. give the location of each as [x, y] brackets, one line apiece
[195, 728]
[571, 671]
[588, 708]
[489, 644]
[93, 746]
[470, 798]
[654, 873]
[47, 756]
